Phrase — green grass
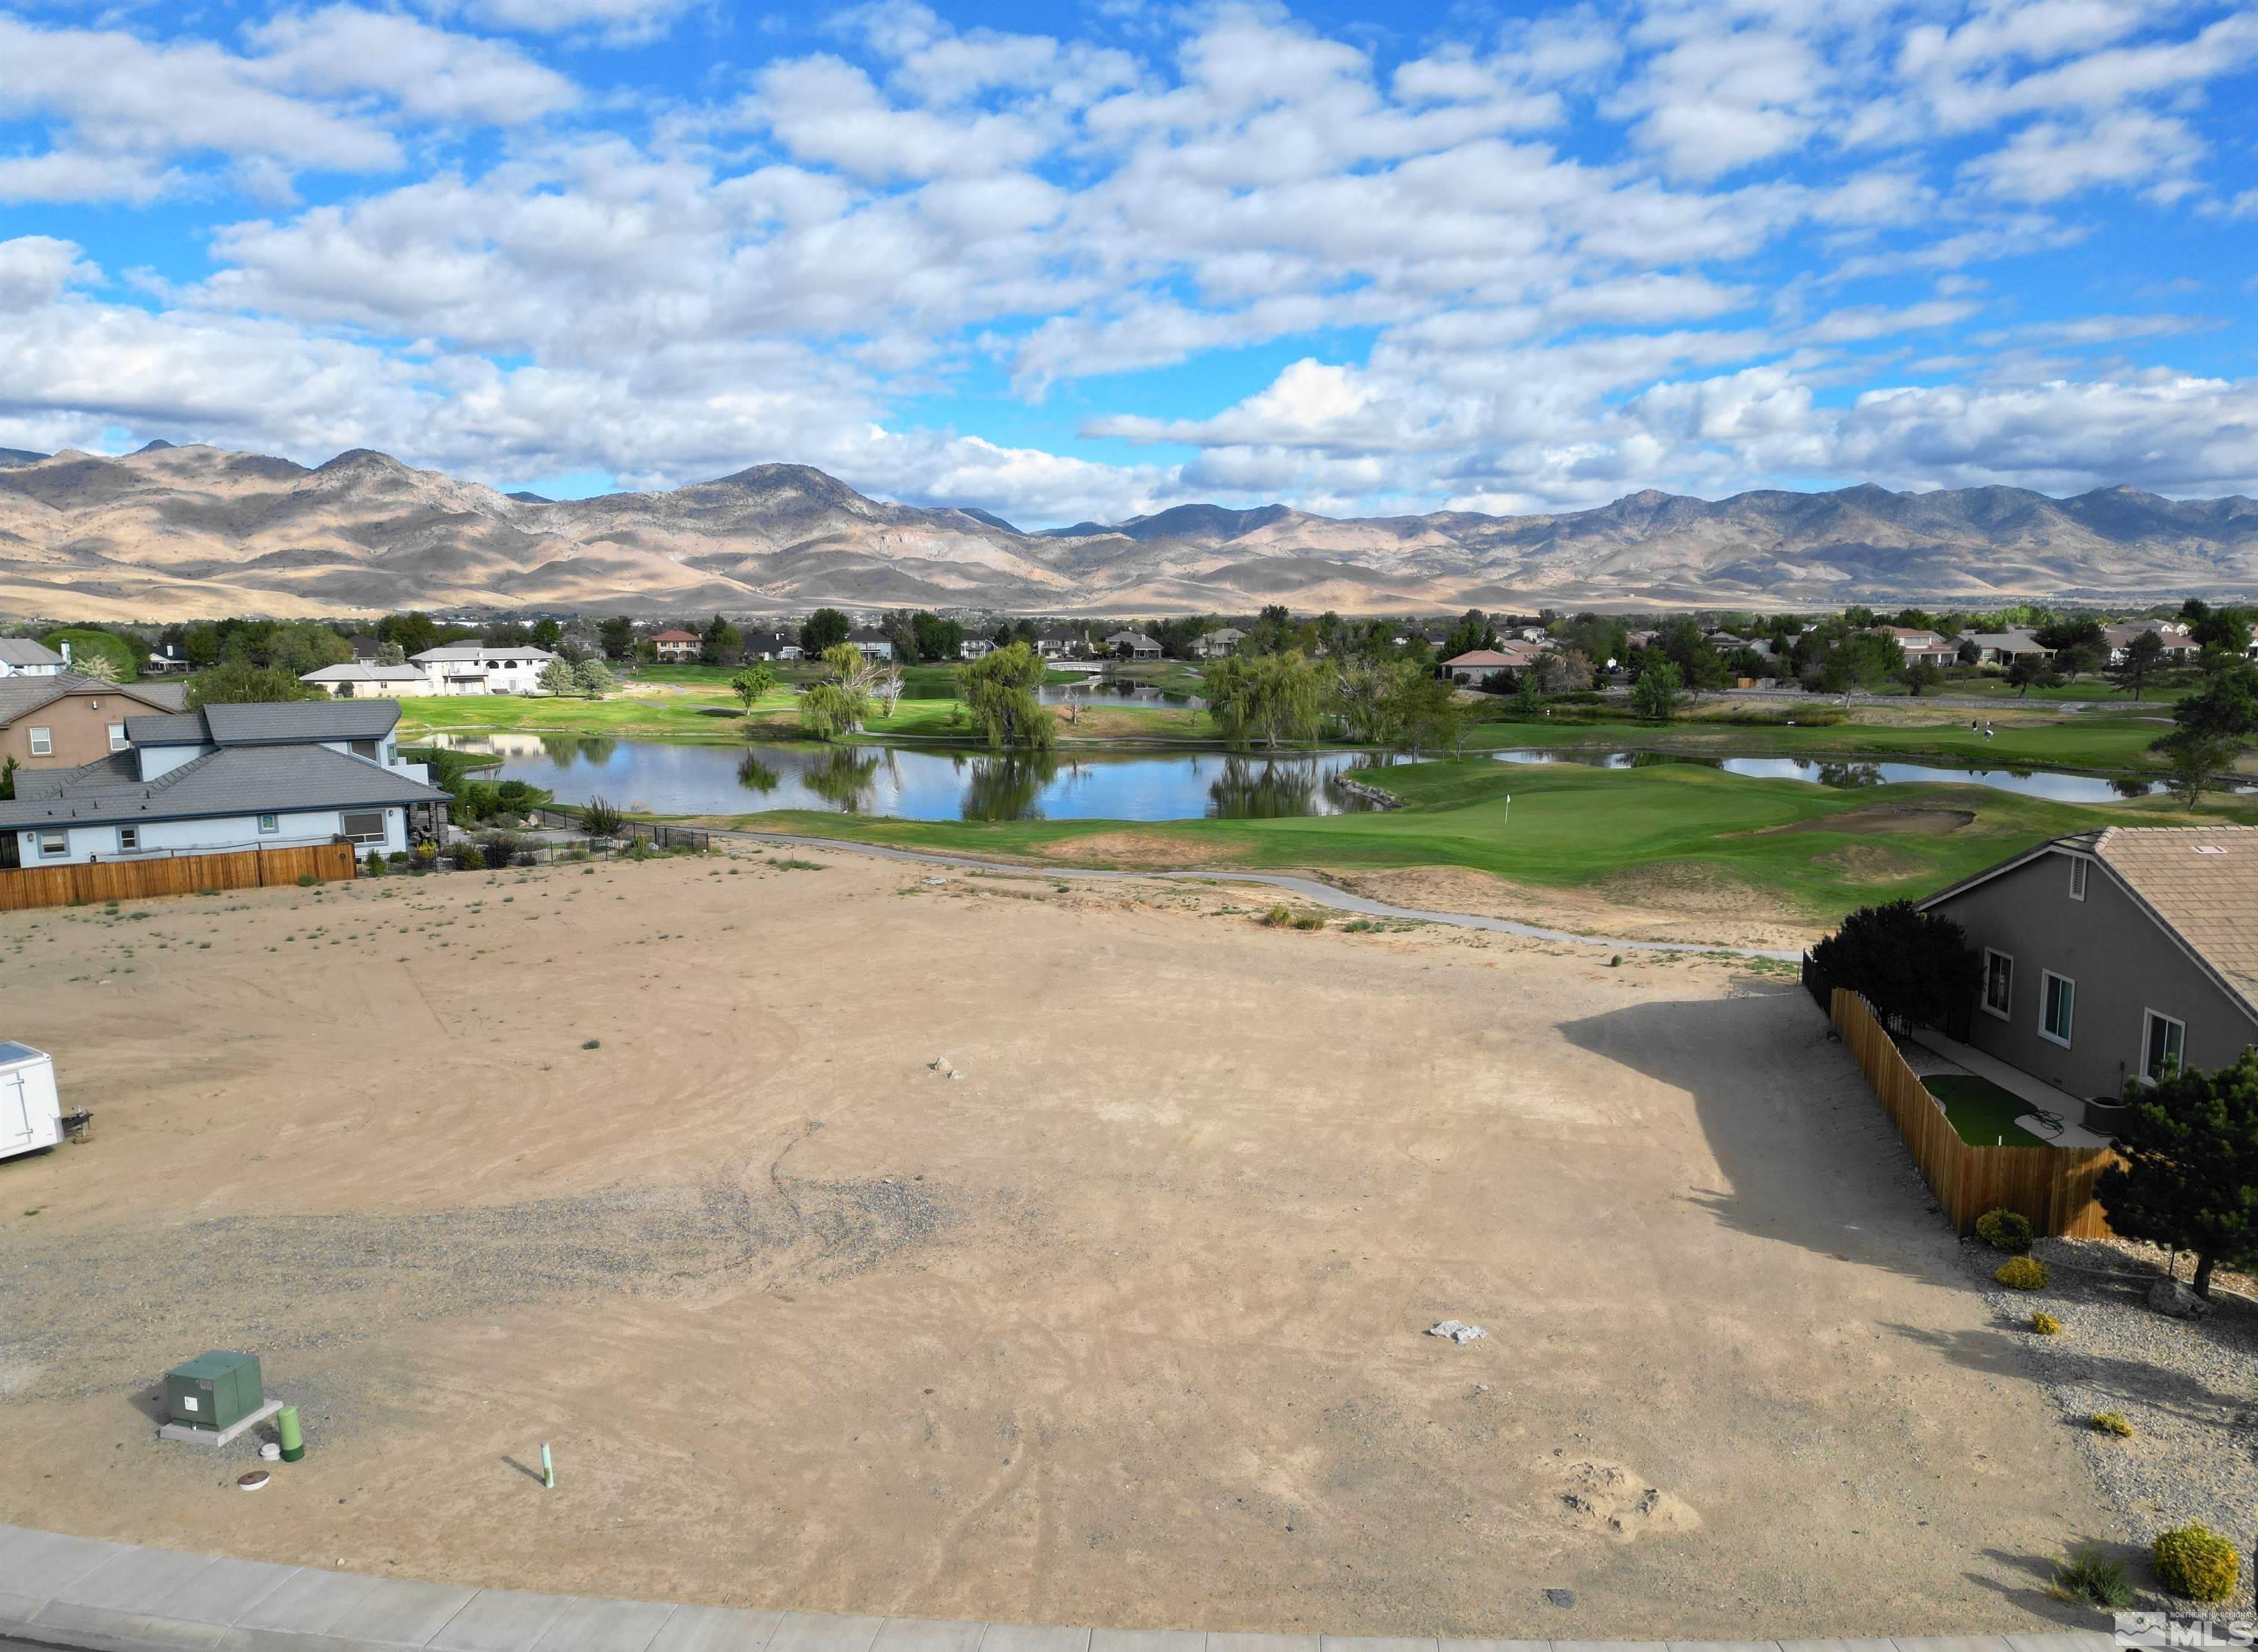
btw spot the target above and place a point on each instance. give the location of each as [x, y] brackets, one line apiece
[2095, 740]
[1983, 1113]
[1566, 826]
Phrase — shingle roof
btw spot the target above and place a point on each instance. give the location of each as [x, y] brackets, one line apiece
[276, 723]
[24, 651]
[231, 781]
[677, 636]
[22, 694]
[2203, 881]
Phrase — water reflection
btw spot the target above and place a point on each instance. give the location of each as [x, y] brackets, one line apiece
[755, 776]
[2058, 788]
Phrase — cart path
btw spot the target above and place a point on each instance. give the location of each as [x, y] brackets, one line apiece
[1308, 888]
[85, 1591]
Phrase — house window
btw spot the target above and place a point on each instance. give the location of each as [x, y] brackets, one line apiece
[2060, 999]
[129, 839]
[2077, 868]
[43, 742]
[118, 737]
[270, 823]
[364, 749]
[53, 844]
[363, 826]
[2162, 1046]
[1998, 983]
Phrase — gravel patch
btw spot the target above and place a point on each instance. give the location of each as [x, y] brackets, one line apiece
[2190, 1391]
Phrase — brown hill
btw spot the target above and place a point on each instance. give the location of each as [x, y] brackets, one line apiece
[182, 531]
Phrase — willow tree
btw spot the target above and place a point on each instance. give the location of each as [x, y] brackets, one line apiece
[840, 703]
[1270, 698]
[1000, 693]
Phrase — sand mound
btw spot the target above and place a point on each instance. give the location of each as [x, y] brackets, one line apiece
[1679, 901]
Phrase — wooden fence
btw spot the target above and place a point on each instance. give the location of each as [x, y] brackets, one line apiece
[2051, 1186]
[26, 887]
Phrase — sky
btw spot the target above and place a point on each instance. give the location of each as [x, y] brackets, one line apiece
[1067, 262]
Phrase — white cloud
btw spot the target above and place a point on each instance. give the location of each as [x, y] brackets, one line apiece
[428, 72]
[35, 270]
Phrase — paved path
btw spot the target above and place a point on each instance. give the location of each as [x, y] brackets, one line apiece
[1309, 888]
[82, 1591]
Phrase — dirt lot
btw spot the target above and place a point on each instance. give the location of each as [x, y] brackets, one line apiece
[1123, 1324]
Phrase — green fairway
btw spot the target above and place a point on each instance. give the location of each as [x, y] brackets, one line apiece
[1817, 851]
[1984, 1114]
[2112, 740]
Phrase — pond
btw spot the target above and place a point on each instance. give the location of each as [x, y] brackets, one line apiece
[921, 785]
[2056, 788]
[1092, 691]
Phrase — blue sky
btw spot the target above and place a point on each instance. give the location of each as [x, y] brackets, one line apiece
[1064, 262]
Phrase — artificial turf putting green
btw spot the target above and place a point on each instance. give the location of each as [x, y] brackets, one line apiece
[1983, 1113]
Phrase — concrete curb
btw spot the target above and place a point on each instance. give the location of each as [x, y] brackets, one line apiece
[1310, 889]
[88, 1593]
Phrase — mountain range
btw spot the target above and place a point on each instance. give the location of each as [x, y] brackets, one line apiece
[195, 531]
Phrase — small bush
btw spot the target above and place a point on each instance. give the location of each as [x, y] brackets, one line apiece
[2005, 1231]
[468, 859]
[2111, 1422]
[427, 854]
[307, 880]
[1277, 918]
[2046, 1325]
[2022, 1273]
[600, 820]
[592, 1044]
[2091, 1578]
[374, 866]
[1310, 920]
[2196, 1564]
[501, 849]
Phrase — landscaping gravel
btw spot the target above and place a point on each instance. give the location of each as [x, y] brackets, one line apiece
[2189, 1389]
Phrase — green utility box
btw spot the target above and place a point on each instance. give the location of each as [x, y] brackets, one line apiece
[214, 1391]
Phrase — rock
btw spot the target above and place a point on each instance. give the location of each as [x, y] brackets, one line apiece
[1560, 1597]
[1458, 1333]
[2170, 1297]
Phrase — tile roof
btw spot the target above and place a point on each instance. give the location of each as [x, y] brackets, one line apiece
[464, 653]
[2202, 882]
[232, 781]
[24, 651]
[364, 671]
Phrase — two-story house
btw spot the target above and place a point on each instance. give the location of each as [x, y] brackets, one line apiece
[483, 668]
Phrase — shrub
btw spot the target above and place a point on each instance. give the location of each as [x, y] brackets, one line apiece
[427, 854]
[2046, 1324]
[374, 866]
[501, 849]
[592, 1044]
[1310, 920]
[600, 820]
[2091, 1578]
[2022, 1273]
[2196, 1564]
[2111, 1423]
[468, 859]
[307, 880]
[1278, 918]
[2005, 1231]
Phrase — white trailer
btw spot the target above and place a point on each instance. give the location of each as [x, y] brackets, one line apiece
[31, 1109]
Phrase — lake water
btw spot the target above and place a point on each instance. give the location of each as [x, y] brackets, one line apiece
[2056, 788]
[919, 784]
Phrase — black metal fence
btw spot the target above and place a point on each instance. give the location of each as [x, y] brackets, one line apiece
[657, 835]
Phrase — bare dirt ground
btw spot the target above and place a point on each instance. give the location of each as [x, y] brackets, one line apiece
[1123, 1325]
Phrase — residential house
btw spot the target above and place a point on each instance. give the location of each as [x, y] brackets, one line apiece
[167, 659]
[367, 650]
[62, 721]
[1919, 645]
[773, 645]
[975, 647]
[2000, 648]
[872, 644]
[21, 657]
[483, 668]
[2178, 646]
[1062, 642]
[1215, 644]
[2114, 954]
[369, 681]
[1479, 666]
[1132, 645]
[678, 648]
[224, 779]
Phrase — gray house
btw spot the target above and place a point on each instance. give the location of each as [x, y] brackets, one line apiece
[2113, 955]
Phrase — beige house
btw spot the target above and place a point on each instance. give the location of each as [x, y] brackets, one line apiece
[65, 721]
[358, 680]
